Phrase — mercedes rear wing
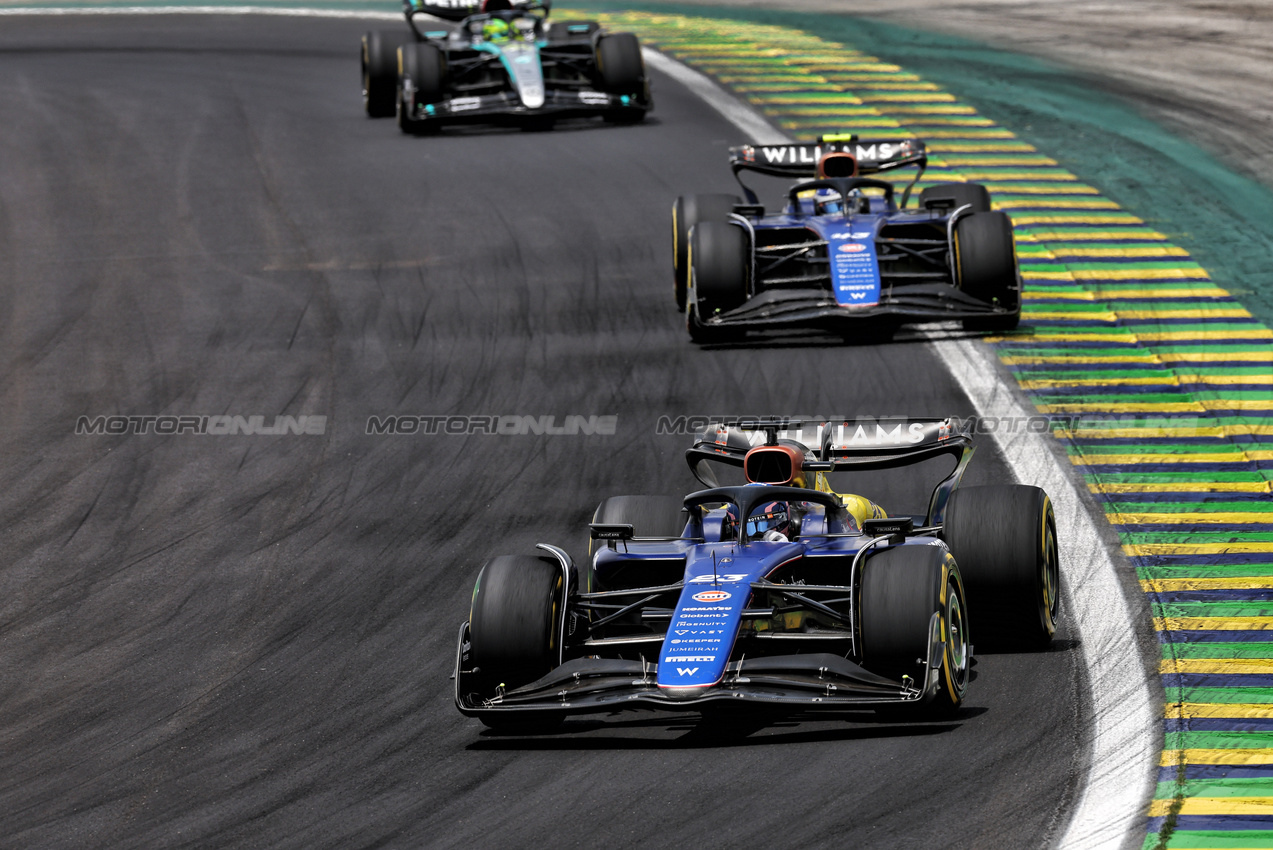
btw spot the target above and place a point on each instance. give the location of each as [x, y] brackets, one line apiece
[458, 10]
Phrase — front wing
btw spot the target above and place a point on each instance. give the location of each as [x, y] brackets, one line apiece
[934, 302]
[557, 103]
[812, 681]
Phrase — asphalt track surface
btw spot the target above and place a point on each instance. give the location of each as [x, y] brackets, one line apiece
[246, 640]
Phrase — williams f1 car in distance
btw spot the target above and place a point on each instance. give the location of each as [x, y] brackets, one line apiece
[776, 591]
[501, 63]
[843, 249]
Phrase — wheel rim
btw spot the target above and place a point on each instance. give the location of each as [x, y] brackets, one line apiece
[956, 640]
[1050, 576]
[366, 76]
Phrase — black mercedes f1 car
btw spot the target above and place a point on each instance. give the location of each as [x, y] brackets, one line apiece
[501, 63]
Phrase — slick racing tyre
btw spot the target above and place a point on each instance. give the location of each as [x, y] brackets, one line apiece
[515, 621]
[957, 195]
[619, 63]
[380, 70]
[986, 267]
[421, 76]
[718, 266]
[622, 71]
[1004, 539]
[902, 588]
[688, 211]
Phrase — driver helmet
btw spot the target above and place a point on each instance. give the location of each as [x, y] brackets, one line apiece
[523, 28]
[496, 29]
[770, 517]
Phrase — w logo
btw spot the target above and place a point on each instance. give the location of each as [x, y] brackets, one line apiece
[686, 671]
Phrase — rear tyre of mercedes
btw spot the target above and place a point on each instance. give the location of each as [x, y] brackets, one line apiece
[1004, 540]
[986, 268]
[688, 211]
[514, 629]
[956, 195]
[718, 266]
[902, 588]
[421, 77]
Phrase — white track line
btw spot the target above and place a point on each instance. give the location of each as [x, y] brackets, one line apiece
[1110, 812]
[1123, 738]
[1124, 750]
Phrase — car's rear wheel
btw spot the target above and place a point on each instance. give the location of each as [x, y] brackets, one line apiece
[986, 268]
[688, 211]
[956, 195]
[380, 71]
[902, 588]
[718, 267]
[515, 621]
[1004, 539]
[421, 77]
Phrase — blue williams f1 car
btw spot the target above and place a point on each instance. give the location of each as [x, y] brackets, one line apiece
[844, 249]
[501, 63]
[774, 592]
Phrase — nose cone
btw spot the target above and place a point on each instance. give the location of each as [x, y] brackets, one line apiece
[522, 60]
[684, 693]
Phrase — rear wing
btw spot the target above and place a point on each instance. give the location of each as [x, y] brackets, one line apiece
[855, 443]
[458, 10]
[797, 160]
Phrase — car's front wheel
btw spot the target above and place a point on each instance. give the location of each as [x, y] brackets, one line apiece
[515, 621]
[688, 211]
[902, 589]
[718, 265]
[622, 72]
[380, 71]
[421, 77]
[986, 268]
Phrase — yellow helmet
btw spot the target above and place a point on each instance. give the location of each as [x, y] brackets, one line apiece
[496, 29]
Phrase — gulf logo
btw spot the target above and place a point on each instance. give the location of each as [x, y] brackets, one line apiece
[711, 596]
[852, 247]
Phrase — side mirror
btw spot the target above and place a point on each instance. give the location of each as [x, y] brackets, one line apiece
[610, 531]
[895, 528]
